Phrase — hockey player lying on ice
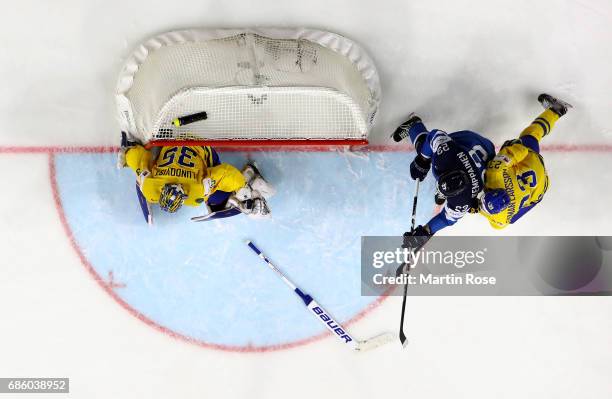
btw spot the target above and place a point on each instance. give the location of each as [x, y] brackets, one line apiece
[471, 178]
[192, 175]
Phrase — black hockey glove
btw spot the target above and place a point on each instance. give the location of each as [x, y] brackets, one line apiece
[415, 240]
[420, 167]
[126, 144]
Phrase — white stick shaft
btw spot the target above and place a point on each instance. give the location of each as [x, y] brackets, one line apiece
[271, 265]
[321, 314]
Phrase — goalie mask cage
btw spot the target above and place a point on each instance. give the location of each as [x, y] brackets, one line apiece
[256, 87]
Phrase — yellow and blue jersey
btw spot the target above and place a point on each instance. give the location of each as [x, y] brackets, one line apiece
[524, 179]
[187, 166]
[519, 169]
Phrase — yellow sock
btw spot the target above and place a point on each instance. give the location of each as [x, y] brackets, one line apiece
[542, 125]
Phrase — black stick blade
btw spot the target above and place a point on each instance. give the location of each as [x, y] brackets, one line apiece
[402, 336]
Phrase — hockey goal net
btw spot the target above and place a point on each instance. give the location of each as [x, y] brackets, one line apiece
[250, 87]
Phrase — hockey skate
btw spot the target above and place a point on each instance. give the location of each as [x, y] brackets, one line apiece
[402, 130]
[557, 106]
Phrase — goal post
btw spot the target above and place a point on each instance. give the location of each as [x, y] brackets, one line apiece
[248, 87]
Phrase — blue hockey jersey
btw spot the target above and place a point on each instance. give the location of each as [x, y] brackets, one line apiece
[464, 150]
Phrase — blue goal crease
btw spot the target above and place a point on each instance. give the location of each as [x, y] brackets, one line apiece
[200, 280]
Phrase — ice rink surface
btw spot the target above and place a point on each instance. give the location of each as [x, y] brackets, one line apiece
[178, 270]
[184, 310]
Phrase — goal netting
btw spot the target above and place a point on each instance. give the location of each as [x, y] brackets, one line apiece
[255, 86]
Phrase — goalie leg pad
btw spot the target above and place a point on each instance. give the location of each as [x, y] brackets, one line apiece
[256, 181]
[265, 189]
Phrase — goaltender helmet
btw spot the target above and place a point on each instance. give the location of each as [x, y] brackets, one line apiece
[172, 197]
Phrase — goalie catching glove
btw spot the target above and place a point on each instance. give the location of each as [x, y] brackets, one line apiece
[251, 199]
[256, 208]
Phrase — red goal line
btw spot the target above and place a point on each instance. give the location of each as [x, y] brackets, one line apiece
[278, 147]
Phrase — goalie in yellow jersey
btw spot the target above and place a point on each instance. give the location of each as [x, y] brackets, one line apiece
[516, 179]
[192, 176]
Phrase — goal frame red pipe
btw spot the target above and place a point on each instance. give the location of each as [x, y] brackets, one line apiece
[259, 143]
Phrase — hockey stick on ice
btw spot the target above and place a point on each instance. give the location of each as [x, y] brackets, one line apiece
[144, 205]
[323, 316]
[216, 215]
[126, 144]
[405, 268]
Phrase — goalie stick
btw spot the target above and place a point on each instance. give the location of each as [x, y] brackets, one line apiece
[142, 201]
[224, 213]
[144, 205]
[323, 316]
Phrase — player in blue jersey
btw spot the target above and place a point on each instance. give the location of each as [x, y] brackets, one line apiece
[471, 178]
[458, 162]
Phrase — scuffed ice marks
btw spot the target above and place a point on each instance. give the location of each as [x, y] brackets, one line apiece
[200, 281]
